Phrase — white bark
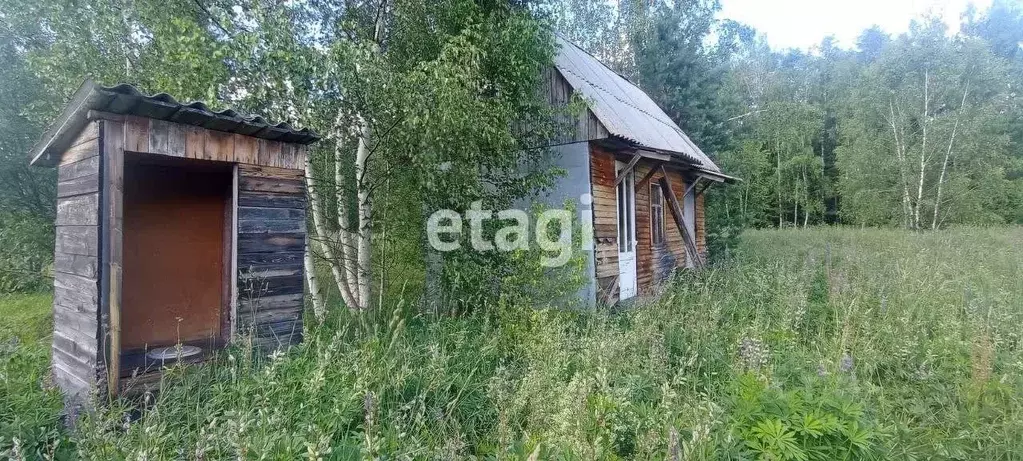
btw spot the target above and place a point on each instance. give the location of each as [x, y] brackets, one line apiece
[346, 236]
[365, 234]
[321, 236]
[923, 155]
[319, 310]
[900, 156]
[948, 155]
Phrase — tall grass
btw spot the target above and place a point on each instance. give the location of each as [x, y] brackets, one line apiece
[807, 344]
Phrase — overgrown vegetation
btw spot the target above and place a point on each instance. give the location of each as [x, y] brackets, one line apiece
[810, 344]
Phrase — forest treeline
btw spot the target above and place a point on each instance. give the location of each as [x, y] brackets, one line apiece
[918, 130]
[416, 100]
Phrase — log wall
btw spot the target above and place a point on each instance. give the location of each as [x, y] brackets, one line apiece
[653, 262]
[271, 241]
[76, 333]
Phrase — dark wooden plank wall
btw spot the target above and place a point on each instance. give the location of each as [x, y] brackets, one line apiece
[653, 263]
[271, 239]
[76, 336]
[582, 127]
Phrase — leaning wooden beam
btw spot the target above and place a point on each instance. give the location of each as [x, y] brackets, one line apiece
[628, 168]
[676, 212]
[649, 174]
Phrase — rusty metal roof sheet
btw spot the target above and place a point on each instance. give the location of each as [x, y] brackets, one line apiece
[624, 109]
[125, 99]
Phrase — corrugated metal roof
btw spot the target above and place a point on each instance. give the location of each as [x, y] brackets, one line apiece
[125, 99]
[624, 109]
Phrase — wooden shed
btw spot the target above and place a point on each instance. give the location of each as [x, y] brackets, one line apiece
[644, 179]
[177, 228]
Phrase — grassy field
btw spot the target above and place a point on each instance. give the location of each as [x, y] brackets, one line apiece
[806, 344]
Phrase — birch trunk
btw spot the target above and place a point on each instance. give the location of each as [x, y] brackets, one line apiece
[365, 235]
[346, 237]
[923, 156]
[900, 156]
[778, 157]
[948, 155]
[321, 235]
[314, 285]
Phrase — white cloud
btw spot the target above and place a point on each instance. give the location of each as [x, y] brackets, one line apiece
[803, 23]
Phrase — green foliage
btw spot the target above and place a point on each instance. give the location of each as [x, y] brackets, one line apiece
[922, 362]
[30, 411]
[816, 421]
[26, 252]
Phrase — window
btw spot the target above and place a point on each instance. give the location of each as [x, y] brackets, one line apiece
[656, 214]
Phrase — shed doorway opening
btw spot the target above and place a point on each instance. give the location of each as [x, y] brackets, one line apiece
[176, 250]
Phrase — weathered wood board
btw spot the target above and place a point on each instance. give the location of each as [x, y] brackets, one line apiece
[654, 263]
[76, 332]
[271, 241]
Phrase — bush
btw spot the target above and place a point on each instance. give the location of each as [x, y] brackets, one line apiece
[26, 252]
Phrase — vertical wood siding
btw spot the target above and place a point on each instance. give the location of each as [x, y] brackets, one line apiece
[578, 128]
[177, 140]
[76, 337]
[271, 240]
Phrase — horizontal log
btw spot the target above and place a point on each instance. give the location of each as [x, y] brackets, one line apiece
[257, 260]
[252, 273]
[264, 171]
[270, 213]
[255, 289]
[84, 266]
[271, 226]
[81, 366]
[74, 170]
[80, 152]
[78, 186]
[77, 290]
[77, 240]
[277, 342]
[271, 316]
[81, 210]
[282, 328]
[71, 384]
[278, 185]
[270, 200]
[270, 243]
[75, 342]
[71, 318]
[270, 302]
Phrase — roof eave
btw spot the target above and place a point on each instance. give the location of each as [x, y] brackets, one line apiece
[61, 133]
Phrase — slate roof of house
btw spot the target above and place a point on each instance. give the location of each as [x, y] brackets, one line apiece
[624, 109]
[125, 99]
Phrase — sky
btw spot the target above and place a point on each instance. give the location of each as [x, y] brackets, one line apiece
[803, 23]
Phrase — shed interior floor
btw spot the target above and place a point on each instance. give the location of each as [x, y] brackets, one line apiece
[176, 249]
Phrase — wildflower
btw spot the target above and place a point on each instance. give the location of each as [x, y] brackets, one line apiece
[753, 353]
[846, 364]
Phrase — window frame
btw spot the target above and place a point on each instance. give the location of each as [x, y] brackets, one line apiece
[657, 228]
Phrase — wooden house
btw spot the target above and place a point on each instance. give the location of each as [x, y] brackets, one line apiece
[644, 177]
[177, 228]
